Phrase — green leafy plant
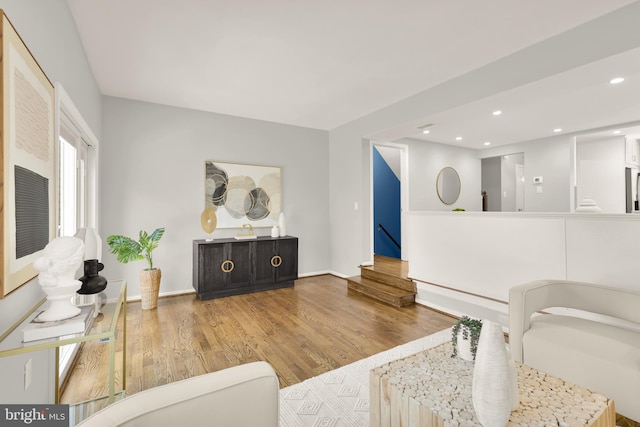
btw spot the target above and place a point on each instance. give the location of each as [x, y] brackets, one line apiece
[470, 329]
[458, 209]
[127, 249]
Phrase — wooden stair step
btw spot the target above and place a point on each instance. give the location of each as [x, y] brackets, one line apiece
[383, 292]
[389, 278]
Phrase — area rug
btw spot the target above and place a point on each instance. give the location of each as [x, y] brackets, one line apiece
[340, 398]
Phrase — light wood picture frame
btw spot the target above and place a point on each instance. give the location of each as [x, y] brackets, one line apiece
[27, 128]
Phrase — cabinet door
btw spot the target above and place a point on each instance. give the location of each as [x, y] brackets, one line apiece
[211, 277]
[237, 264]
[264, 273]
[287, 250]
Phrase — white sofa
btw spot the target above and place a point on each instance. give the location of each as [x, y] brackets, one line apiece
[599, 350]
[242, 396]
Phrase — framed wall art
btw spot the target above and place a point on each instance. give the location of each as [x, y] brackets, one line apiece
[28, 161]
[243, 194]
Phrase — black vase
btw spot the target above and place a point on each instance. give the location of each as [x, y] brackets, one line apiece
[92, 282]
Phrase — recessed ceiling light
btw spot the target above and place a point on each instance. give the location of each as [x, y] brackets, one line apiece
[615, 132]
[556, 130]
[425, 128]
[458, 138]
[497, 113]
[616, 80]
[487, 143]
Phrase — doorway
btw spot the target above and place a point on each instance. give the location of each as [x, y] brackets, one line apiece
[389, 198]
[502, 182]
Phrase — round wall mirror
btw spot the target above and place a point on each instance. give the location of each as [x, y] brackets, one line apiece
[448, 185]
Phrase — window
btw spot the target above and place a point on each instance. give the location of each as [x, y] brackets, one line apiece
[72, 165]
[77, 150]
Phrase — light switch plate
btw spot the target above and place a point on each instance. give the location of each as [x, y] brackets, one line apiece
[27, 374]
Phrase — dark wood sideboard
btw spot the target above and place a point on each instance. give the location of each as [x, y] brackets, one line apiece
[224, 267]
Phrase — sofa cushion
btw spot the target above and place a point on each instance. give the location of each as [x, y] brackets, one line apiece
[601, 357]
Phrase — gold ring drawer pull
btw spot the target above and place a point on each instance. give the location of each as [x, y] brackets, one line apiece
[276, 261]
[227, 266]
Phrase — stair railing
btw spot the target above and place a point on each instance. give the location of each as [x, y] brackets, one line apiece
[384, 230]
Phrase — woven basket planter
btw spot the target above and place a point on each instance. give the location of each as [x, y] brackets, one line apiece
[150, 287]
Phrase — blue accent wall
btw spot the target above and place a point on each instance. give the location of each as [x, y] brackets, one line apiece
[386, 207]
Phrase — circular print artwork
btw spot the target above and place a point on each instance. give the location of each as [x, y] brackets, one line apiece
[241, 193]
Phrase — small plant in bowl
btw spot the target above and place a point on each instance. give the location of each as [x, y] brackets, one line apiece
[464, 337]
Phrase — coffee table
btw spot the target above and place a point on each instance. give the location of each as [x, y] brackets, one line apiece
[431, 389]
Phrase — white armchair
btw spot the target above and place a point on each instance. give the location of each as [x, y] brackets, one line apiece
[599, 349]
[242, 396]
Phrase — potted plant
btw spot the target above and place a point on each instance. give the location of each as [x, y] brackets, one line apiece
[464, 337]
[127, 250]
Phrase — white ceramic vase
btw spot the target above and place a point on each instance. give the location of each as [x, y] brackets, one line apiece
[464, 346]
[491, 384]
[92, 243]
[282, 224]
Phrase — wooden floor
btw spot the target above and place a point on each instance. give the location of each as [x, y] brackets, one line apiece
[314, 327]
[625, 422]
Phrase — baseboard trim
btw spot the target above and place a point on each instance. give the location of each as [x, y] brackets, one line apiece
[340, 275]
[312, 274]
[136, 298]
[460, 304]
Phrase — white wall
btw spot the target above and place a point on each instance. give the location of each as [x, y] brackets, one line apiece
[486, 253]
[152, 175]
[48, 31]
[600, 173]
[604, 249]
[393, 157]
[426, 160]
[477, 257]
[42, 388]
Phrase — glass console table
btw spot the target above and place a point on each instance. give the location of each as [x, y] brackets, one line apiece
[104, 329]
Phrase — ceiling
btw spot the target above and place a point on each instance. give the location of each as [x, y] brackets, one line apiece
[321, 64]
[565, 103]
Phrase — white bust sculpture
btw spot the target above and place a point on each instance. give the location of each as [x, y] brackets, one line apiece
[58, 264]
